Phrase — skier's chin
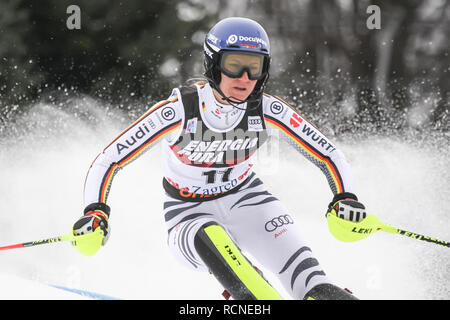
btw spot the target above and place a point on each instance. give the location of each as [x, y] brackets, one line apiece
[238, 94]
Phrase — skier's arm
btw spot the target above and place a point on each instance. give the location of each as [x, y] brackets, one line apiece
[284, 120]
[308, 140]
[161, 120]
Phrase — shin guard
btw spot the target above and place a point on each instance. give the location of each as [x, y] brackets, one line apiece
[230, 267]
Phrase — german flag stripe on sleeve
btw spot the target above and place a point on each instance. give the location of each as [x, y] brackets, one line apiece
[151, 110]
[325, 161]
[115, 167]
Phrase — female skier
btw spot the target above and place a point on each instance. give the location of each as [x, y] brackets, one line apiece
[215, 207]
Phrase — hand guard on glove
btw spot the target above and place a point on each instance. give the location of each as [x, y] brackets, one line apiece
[95, 216]
[347, 207]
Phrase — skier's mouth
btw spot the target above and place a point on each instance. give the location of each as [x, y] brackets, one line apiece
[240, 88]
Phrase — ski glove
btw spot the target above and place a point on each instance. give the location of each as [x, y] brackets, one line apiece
[347, 207]
[95, 216]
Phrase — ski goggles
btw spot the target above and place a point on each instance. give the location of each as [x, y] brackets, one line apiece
[233, 64]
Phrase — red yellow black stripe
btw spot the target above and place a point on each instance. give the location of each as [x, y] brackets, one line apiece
[154, 108]
[310, 150]
[109, 175]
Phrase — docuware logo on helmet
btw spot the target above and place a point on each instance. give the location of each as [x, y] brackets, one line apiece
[236, 34]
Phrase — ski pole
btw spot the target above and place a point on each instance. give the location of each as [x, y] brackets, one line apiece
[66, 237]
[87, 244]
[349, 231]
[394, 230]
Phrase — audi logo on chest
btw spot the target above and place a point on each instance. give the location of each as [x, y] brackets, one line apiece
[277, 222]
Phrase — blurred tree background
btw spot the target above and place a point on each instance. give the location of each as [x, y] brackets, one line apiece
[342, 75]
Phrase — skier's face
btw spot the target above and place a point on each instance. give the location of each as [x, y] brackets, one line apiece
[238, 88]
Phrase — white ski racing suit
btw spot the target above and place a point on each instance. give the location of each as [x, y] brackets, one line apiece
[208, 176]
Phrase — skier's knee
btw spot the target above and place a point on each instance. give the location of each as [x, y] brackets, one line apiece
[181, 242]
